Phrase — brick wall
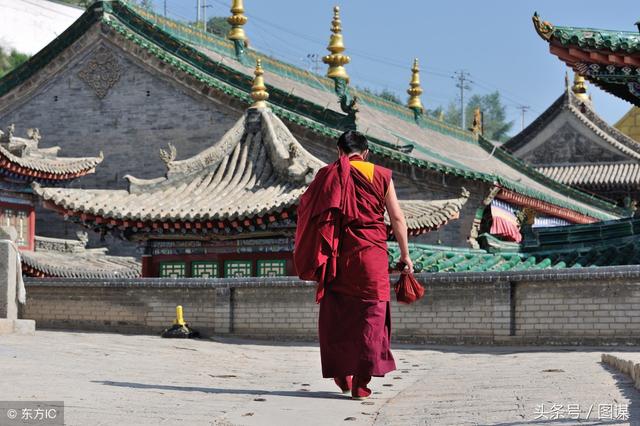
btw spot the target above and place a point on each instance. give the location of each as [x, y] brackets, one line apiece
[537, 307]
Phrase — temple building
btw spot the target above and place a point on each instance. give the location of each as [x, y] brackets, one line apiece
[129, 82]
[23, 162]
[227, 211]
[570, 143]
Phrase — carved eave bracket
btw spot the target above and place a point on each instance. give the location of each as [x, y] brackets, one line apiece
[543, 28]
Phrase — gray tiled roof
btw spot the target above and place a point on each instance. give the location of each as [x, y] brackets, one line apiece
[257, 168]
[424, 215]
[25, 153]
[594, 175]
[54, 257]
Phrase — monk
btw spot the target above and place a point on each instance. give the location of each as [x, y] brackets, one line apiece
[341, 242]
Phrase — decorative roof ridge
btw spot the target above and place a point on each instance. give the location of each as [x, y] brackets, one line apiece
[529, 132]
[590, 114]
[291, 159]
[287, 155]
[585, 113]
[590, 38]
[60, 245]
[210, 155]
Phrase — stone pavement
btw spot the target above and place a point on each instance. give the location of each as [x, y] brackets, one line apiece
[107, 379]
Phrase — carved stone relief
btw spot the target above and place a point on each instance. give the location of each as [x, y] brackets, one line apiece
[101, 72]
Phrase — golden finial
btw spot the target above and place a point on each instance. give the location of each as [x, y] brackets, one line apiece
[543, 28]
[415, 90]
[580, 87]
[477, 127]
[259, 92]
[336, 60]
[237, 20]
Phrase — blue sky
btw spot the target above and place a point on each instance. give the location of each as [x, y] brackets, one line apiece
[493, 40]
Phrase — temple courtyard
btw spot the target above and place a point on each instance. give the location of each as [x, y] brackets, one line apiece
[107, 379]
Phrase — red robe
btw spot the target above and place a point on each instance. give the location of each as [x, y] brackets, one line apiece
[341, 243]
[342, 207]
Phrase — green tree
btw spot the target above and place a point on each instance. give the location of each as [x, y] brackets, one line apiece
[452, 114]
[10, 61]
[494, 115]
[384, 94]
[218, 25]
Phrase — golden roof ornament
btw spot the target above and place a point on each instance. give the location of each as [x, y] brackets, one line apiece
[336, 60]
[259, 92]
[579, 87]
[543, 28]
[477, 127]
[237, 20]
[415, 90]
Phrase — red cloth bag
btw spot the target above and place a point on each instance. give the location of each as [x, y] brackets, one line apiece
[408, 290]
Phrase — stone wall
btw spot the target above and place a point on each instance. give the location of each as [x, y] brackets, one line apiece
[538, 307]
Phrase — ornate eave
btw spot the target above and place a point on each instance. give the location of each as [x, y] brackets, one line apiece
[22, 159]
[609, 59]
[543, 207]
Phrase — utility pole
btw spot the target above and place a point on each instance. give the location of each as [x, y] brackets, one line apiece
[462, 78]
[204, 15]
[524, 109]
[314, 61]
[198, 13]
[165, 8]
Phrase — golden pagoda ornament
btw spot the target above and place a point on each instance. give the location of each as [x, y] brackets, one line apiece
[415, 90]
[579, 88]
[336, 60]
[259, 92]
[237, 21]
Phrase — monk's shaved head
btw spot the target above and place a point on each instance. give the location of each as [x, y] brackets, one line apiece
[353, 141]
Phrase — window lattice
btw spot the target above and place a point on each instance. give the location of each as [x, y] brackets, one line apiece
[204, 270]
[172, 269]
[237, 268]
[272, 268]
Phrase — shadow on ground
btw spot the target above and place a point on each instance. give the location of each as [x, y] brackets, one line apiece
[257, 392]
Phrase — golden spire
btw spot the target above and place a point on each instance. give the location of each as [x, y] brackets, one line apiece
[237, 20]
[336, 60]
[415, 90]
[259, 92]
[580, 87]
